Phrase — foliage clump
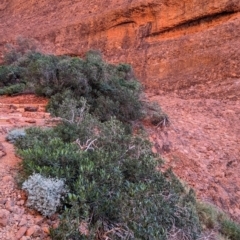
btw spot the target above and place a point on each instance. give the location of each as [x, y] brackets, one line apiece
[16, 135]
[214, 219]
[113, 185]
[44, 194]
[114, 188]
[110, 90]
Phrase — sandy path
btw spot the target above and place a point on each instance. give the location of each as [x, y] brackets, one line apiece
[16, 221]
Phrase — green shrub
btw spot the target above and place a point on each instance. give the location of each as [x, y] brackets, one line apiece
[10, 75]
[33, 136]
[13, 89]
[213, 218]
[112, 180]
[154, 114]
[16, 135]
[230, 229]
[114, 188]
[42, 73]
[109, 90]
[22, 47]
[44, 194]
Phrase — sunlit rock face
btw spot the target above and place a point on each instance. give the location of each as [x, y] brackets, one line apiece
[171, 44]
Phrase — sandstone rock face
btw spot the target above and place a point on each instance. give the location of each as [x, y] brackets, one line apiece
[171, 44]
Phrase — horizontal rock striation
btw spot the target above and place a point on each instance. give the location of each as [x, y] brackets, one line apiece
[171, 44]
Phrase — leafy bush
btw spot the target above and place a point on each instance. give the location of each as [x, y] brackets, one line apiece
[230, 229]
[32, 137]
[213, 218]
[114, 189]
[10, 90]
[10, 75]
[154, 114]
[112, 180]
[22, 46]
[109, 90]
[16, 135]
[44, 194]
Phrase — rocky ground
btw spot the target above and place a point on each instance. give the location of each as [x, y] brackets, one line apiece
[17, 221]
[202, 146]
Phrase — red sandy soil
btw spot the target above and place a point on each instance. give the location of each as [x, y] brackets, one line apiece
[202, 146]
[17, 221]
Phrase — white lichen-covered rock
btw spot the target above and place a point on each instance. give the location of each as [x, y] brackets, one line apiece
[44, 194]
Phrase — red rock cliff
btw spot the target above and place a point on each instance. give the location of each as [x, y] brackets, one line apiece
[171, 44]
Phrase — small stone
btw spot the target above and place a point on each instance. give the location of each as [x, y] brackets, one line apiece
[21, 110]
[9, 205]
[20, 203]
[17, 210]
[23, 222]
[8, 178]
[30, 121]
[47, 115]
[13, 107]
[3, 201]
[55, 225]
[25, 238]
[17, 217]
[4, 217]
[31, 109]
[32, 230]
[29, 217]
[21, 232]
[38, 220]
[46, 230]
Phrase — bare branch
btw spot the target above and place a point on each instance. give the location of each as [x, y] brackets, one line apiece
[90, 144]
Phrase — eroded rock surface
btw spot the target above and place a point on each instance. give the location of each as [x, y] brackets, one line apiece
[202, 146]
[171, 44]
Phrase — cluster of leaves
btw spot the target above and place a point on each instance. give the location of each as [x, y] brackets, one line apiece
[214, 219]
[13, 72]
[114, 188]
[15, 134]
[10, 80]
[110, 90]
[44, 194]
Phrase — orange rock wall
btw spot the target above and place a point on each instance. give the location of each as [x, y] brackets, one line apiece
[172, 44]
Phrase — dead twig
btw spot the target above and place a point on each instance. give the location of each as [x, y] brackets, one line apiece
[89, 145]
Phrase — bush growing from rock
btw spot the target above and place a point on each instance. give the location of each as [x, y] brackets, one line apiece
[109, 90]
[111, 176]
[13, 89]
[10, 75]
[112, 181]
